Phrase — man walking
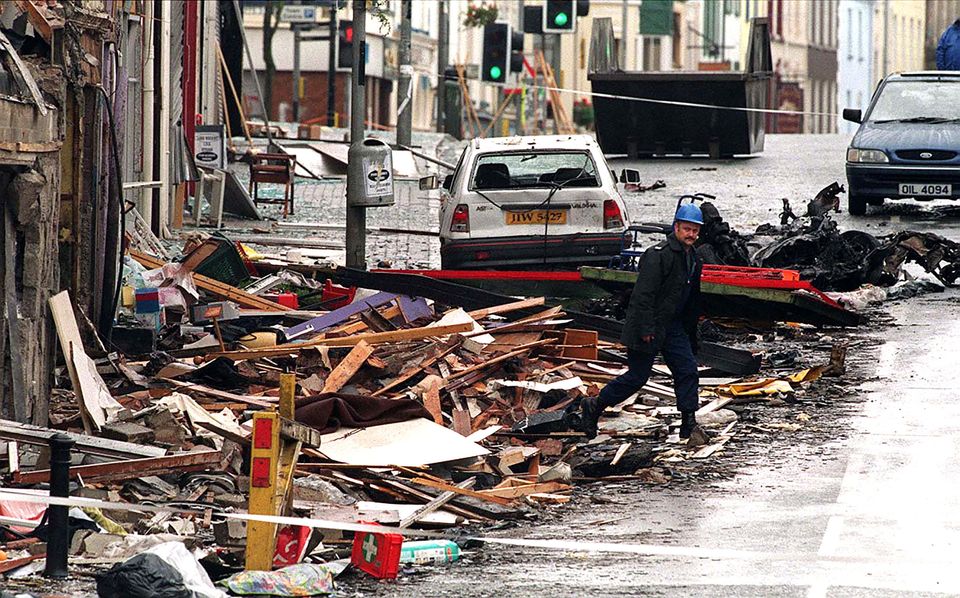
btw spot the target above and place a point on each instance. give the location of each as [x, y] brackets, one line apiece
[661, 318]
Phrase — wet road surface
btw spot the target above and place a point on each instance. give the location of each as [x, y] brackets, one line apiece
[871, 507]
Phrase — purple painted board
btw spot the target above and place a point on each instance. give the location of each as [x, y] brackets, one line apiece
[337, 316]
[414, 308]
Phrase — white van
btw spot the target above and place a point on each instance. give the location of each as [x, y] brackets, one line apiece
[533, 202]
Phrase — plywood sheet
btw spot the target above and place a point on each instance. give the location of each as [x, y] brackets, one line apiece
[410, 444]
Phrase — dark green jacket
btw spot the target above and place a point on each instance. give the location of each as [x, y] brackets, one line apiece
[653, 303]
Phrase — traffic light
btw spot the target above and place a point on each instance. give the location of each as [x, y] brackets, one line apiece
[533, 19]
[497, 38]
[560, 16]
[516, 51]
[345, 45]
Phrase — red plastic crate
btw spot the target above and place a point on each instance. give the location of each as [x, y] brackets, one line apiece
[377, 554]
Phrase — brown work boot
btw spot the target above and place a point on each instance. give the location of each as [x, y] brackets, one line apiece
[698, 437]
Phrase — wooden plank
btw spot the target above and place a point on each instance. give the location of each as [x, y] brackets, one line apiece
[531, 323]
[305, 435]
[36, 435]
[392, 336]
[521, 491]
[410, 373]
[12, 564]
[435, 504]
[220, 394]
[39, 22]
[519, 351]
[620, 453]
[431, 400]
[132, 468]
[243, 441]
[715, 404]
[724, 437]
[462, 422]
[214, 287]
[199, 254]
[479, 314]
[61, 309]
[348, 367]
[439, 485]
[580, 344]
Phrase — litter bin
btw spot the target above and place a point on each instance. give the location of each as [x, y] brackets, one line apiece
[371, 185]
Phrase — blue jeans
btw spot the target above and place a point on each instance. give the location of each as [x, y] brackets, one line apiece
[677, 353]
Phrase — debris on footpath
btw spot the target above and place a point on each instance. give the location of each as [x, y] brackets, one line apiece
[457, 410]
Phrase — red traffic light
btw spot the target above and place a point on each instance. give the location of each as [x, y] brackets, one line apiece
[348, 35]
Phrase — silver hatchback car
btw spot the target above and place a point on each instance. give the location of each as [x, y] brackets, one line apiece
[538, 202]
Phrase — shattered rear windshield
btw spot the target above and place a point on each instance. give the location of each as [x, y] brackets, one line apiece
[535, 169]
[918, 101]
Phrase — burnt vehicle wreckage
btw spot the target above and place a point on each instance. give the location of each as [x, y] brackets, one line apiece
[831, 259]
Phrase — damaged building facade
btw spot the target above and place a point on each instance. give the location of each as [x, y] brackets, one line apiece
[86, 146]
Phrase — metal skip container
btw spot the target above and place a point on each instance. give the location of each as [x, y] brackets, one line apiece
[374, 178]
[642, 129]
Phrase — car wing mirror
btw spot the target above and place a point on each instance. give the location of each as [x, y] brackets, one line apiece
[428, 183]
[854, 115]
[630, 176]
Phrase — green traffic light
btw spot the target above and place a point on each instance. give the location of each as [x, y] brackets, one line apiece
[495, 72]
[561, 19]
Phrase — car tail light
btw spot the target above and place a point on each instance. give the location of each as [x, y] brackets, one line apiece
[612, 216]
[461, 219]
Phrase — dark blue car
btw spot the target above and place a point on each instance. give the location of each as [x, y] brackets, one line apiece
[908, 143]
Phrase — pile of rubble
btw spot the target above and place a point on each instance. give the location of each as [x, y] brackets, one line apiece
[896, 265]
[403, 411]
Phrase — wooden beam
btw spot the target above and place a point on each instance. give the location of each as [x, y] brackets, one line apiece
[479, 314]
[39, 22]
[410, 373]
[409, 334]
[525, 490]
[519, 351]
[212, 286]
[435, 504]
[464, 491]
[36, 435]
[348, 367]
[431, 400]
[132, 468]
[220, 394]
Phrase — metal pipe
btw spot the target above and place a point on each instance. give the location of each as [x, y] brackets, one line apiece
[356, 215]
[166, 197]
[443, 58]
[58, 519]
[145, 203]
[405, 96]
[296, 73]
[332, 67]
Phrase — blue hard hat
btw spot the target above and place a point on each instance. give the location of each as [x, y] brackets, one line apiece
[689, 212]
